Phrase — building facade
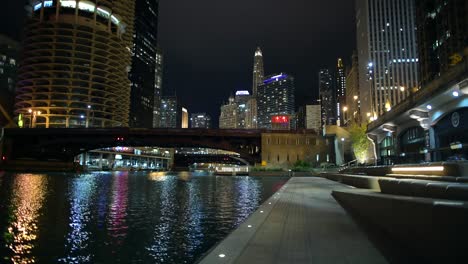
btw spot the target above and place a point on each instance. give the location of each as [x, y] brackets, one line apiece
[340, 85]
[313, 117]
[228, 116]
[442, 34]
[184, 118]
[327, 98]
[433, 125]
[74, 65]
[200, 120]
[387, 51]
[275, 97]
[284, 149]
[169, 112]
[8, 70]
[353, 101]
[144, 64]
[158, 82]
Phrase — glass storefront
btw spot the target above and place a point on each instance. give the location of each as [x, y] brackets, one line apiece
[387, 150]
[412, 145]
[451, 136]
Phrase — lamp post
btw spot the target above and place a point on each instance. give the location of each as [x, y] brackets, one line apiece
[345, 109]
[32, 118]
[87, 116]
[342, 150]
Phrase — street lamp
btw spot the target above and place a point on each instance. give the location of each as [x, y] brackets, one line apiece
[342, 150]
[345, 109]
[87, 116]
[32, 118]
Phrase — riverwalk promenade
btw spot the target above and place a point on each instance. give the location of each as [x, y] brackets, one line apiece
[301, 223]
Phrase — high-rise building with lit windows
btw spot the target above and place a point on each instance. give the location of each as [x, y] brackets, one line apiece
[340, 85]
[146, 61]
[169, 112]
[235, 113]
[275, 98]
[75, 61]
[387, 51]
[200, 120]
[8, 68]
[258, 72]
[327, 98]
[257, 79]
[442, 36]
[158, 76]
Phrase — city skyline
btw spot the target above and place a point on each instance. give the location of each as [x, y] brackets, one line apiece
[191, 50]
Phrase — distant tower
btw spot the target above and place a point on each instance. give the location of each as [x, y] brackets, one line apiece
[340, 91]
[327, 98]
[258, 72]
[275, 98]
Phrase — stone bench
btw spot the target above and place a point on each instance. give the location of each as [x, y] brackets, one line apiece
[424, 188]
[427, 230]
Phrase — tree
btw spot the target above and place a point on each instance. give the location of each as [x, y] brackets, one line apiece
[360, 142]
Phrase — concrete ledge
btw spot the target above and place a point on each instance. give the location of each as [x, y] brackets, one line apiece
[421, 188]
[432, 230]
[358, 181]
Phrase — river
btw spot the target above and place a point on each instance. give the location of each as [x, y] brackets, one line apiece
[122, 217]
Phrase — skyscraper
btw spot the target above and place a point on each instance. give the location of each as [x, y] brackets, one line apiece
[146, 61]
[158, 89]
[275, 97]
[228, 116]
[8, 68]
[169, 112]
[257, 79]
[340, 85]
[75, 62]
[353, 98]
[388, 57]
[200, 120]
[442, 36]
[327, 98]
[258, 72]
[309, 117]
[235, 113]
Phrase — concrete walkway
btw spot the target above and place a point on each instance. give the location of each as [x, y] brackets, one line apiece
[301, 223]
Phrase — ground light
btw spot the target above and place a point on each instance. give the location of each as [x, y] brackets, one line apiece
[222, 255]
[431, 168]
[455, 93]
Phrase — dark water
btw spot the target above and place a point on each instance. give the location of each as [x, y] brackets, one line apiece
[122, 217]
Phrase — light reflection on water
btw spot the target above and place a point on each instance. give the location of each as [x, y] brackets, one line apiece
[122, 217]
[27, 199]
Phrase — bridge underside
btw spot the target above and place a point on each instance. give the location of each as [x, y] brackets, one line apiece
[64, 144]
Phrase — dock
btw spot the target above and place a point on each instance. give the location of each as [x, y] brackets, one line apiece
[301, 223]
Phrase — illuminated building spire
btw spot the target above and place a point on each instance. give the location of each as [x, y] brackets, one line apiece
[257, 71]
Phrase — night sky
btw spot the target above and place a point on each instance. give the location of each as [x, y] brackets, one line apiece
[209, 45]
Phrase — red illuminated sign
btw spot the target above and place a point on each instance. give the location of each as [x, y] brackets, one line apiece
[280, 119]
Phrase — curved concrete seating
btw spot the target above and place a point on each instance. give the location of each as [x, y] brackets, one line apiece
[428, 230]
[424, 188]
[358, 181]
